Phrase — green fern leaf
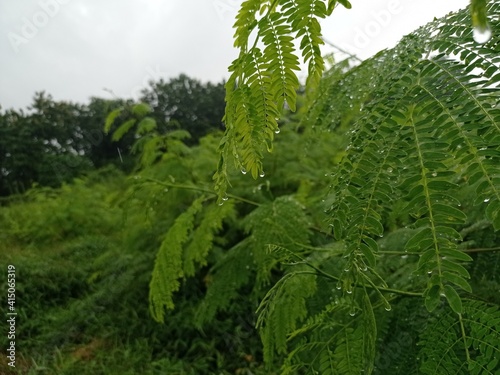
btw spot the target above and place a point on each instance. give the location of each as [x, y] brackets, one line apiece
[203, 236]
[245, 22]
[168, 268]
[303, 18]
[146, 125]
[224, 281]
[282, 222]
[141, 109]
[123, 129]
[281, 59]
[465, 344]
[261, 83]
[281, 309]
[110, 119]
[428, 127]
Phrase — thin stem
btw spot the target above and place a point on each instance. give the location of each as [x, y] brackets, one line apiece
[241, 199]
[200, 189]
[481, 250]
[342, 50]
[396, 253]
[462, 328]
[335, 278]
[389, 290]
[401, 292]
[478, 250]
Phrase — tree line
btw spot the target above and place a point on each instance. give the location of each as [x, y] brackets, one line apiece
[52, 141]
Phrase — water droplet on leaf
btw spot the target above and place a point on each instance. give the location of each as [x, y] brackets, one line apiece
[481, 34]
[486, 200]
[262, 174]
[243, 170]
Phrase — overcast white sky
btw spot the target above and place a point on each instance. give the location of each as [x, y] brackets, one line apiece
[72, 49]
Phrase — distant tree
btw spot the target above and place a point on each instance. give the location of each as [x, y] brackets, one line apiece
[99, 147]
[43, 145]
[53, 142]
[188, 103]
[17, 149]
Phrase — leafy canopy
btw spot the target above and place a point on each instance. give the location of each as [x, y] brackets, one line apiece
[427, 128]
[423, 138]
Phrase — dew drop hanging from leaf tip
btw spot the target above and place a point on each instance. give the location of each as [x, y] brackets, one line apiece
[481, 34]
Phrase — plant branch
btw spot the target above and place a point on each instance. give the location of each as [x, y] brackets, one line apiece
[200, 189]
[335, 278]
[353, 56]
[478, 250]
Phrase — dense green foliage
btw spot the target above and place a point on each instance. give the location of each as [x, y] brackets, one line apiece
[193, 106]
[84, 255]
[370, 245]
[53, 142]
[424, 137]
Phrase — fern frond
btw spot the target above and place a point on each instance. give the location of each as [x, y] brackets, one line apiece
[261, 83]
[203, 236]
[168, 267]
[224, 281]
[282, 222]
[303, 17]
[245, 22]
[110, 119]
[281, 309]
[281, 59]
[466, 344]
[397, 345]
[429, 125]
[340, 341]
[123, 129]
[147, 125]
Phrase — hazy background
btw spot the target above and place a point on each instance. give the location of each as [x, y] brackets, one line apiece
[74, 49]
